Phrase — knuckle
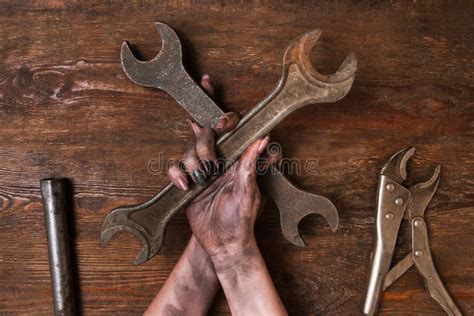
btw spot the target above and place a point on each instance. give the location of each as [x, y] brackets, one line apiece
[173, 168]
[190, 150]
[191, 163]
[206, 153]
[174, 171]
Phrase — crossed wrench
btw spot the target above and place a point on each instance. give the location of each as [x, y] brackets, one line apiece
[300, 84]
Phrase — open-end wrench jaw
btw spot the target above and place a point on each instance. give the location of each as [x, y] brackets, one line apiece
[133, 228]
[120, 220]
[166, 72]
[336, 85]
[159, 70]
[295, 204]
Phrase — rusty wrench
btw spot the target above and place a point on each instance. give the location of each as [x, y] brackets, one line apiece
[299, 85]
[166, 72]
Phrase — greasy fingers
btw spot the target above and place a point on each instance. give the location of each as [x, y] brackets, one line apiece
[206, 140]
[206, 147]
[272, 156]
[199, 158]
[208, 85]
[193, 165]
[248, 161]
[178, 176]
[226, 123]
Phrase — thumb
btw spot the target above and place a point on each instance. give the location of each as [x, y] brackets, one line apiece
[248, 161]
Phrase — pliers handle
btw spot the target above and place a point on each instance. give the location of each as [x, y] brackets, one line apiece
[392, 201]
[421, 255]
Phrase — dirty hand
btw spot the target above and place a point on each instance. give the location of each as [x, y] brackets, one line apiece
[222, 217]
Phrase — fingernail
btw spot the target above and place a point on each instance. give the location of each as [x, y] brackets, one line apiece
[206, 83]
[195, 127]
[262, 145]
[199, 178]
[218, 167]
[210, 166]
[182, 184]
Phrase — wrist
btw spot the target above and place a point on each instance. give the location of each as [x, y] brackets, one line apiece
[191, 286]
[194, 249]
[244, 278]
[235, 256]
[197, 257]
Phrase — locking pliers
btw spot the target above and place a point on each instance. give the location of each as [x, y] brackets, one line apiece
[395, 202]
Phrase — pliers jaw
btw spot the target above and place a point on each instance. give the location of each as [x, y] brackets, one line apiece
[396, 167]
[422, 193]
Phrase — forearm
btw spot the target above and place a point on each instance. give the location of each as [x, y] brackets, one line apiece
[191, 286]
[247, 284]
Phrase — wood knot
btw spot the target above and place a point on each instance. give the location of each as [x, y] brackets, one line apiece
[49, 83]
[3, 203]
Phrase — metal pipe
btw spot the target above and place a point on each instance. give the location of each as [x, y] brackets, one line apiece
[53, 191]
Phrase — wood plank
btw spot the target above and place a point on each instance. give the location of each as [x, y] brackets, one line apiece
[67, 109]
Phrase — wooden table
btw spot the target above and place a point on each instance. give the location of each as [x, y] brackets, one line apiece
[68, 110]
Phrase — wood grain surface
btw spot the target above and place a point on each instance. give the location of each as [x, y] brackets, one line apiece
[67, 109]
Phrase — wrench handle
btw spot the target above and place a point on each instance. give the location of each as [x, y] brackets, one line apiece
[291, 95]
[193, 99]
